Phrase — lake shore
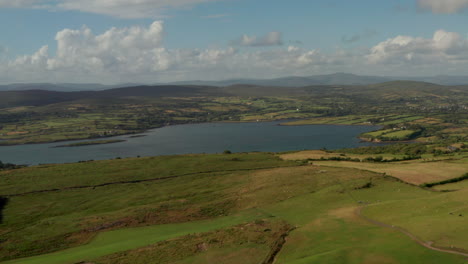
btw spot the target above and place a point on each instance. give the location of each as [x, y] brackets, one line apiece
[192, 139]
[90, 143]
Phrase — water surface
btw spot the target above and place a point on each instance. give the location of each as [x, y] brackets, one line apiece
[195, 138]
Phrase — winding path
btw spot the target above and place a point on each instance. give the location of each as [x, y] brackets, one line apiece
[428, 245]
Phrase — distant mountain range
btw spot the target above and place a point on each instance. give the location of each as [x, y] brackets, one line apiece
[297, 81]
[392, 90]
[291, 81]
[332, 79]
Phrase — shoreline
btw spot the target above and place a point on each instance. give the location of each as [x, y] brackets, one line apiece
[90, 143]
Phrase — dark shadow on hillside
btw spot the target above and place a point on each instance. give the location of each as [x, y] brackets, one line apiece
[3, 203]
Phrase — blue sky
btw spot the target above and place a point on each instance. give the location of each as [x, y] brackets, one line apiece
[73, 40]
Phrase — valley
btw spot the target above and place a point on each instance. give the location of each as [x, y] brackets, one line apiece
[400, 201]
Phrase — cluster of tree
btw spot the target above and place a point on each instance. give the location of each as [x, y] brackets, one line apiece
[405, 149]
[381, 159]
[338, 158]
[368, 159]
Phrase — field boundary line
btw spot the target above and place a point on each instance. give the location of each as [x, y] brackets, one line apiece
[140, 181]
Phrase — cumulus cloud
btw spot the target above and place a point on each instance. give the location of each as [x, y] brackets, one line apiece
[443, 6]
[36, 60]
[271, 39]
[132, 49]
[443, 47]
[117, 8]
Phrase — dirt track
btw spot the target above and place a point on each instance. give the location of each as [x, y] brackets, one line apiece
[412, 236]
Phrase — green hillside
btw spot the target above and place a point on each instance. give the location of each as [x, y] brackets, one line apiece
[225, 208]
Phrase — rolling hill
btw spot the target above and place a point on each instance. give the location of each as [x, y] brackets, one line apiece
[399, 88]
[288, 81]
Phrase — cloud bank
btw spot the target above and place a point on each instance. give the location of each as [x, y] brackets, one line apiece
[117, 8]
[443, 6]
[443, 47]
[138, 54]
[134, 9]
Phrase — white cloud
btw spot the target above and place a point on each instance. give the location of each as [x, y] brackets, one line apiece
[443, 6]
[133, 49]
[36, 61]
[138, 54]
[443, 47]
[116, 8]
[19, 3]
[271, 39]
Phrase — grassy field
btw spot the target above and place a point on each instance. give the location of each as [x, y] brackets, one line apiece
[415, 172]
[452, 186]
[425, 217]
[427, 169]
[124, 239]
[246, 243]
[226, 208]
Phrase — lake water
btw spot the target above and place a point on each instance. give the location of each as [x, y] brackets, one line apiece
[195, 138]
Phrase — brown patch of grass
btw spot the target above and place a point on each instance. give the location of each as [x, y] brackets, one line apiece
[308, 154]
[151, 216]
[414, 172]
[344, 213]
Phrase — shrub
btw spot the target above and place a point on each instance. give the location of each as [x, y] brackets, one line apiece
[459, 179]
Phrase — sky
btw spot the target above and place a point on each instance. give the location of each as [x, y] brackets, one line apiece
[155, 41]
